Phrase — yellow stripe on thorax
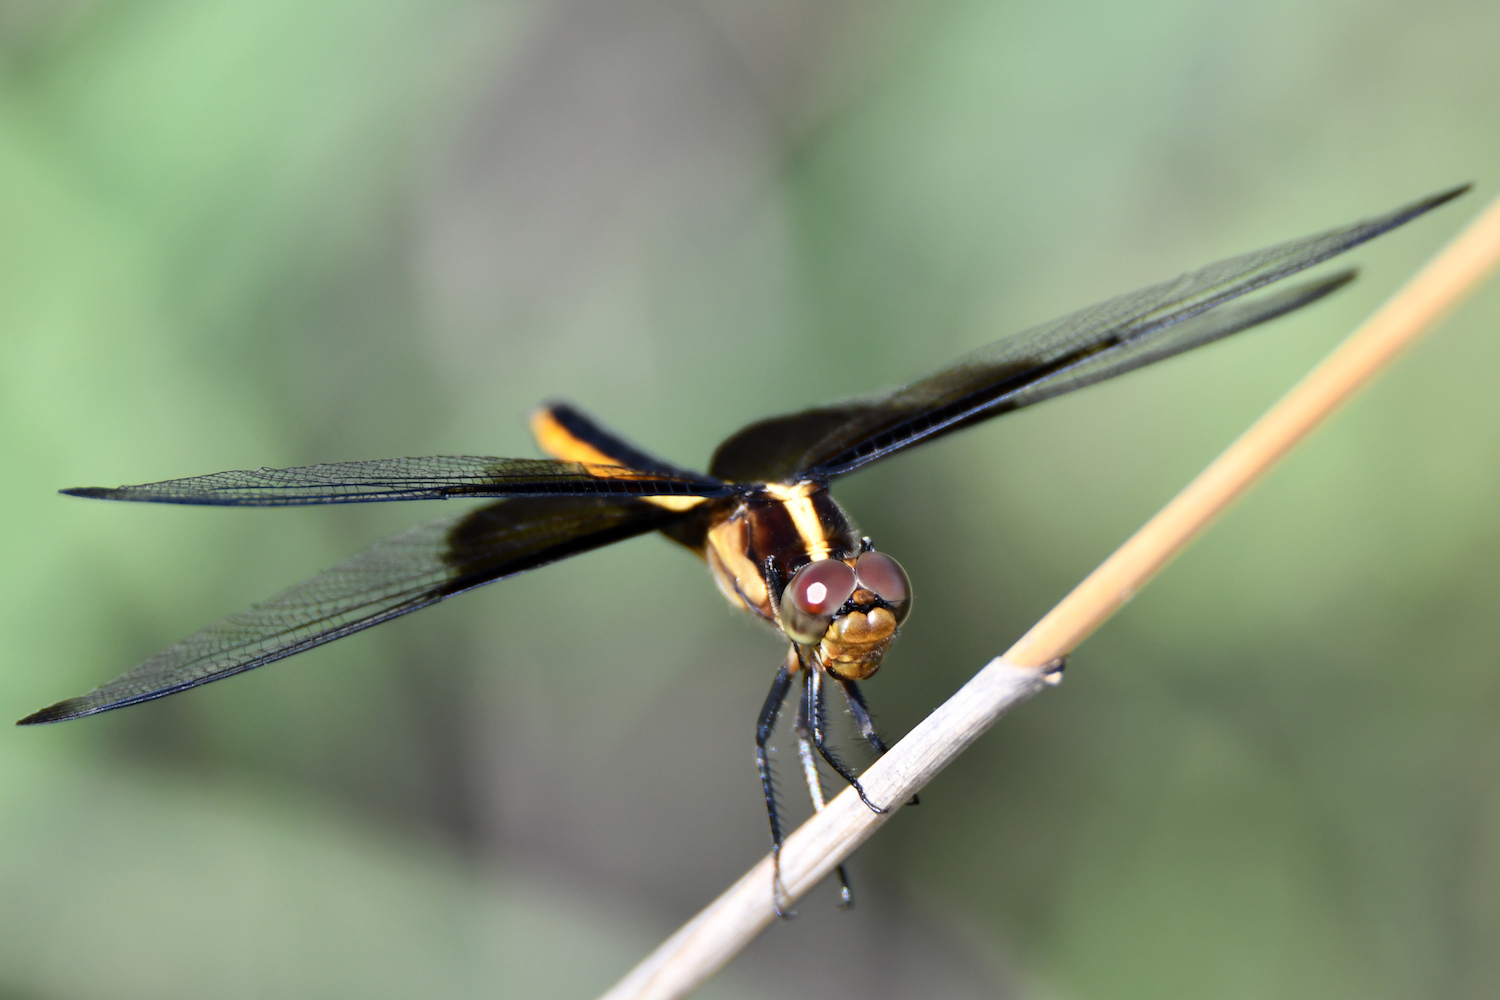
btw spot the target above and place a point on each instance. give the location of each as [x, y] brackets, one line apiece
[799, 507]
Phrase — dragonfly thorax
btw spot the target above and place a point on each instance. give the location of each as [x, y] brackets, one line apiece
[777, 530]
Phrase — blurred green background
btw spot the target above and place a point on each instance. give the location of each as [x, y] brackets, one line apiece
[278, 233]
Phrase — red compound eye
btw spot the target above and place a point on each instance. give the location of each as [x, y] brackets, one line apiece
[884, 577]
[815, 594]
[823, 587]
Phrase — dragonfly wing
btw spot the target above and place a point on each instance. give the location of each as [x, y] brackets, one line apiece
[418, 567]
[431, 478]
[1200, 330]
[1087, 346]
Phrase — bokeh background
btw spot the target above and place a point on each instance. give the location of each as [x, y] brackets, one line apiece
[271, 232]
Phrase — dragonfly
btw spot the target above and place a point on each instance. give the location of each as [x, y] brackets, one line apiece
[775, 541]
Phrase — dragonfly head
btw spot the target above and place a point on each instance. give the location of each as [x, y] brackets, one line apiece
[849, 608]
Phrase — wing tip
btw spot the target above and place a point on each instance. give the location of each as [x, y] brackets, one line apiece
[1333, 282]
[1432, 201]
[1453, 192]
[1394, 219]
[73, 708]
[93, 492]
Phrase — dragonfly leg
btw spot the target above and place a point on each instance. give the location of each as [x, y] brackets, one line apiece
[763, 727]
[860, 710]
[817, 723]
[814, 782]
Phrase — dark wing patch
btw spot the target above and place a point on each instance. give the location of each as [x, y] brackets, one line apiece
[430, 478]
[396, 576]
[1080, 349]
[777, 449]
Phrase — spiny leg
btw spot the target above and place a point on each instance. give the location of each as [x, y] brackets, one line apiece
[763, 727]
[860, 711]
[814, 783]
[816, 720]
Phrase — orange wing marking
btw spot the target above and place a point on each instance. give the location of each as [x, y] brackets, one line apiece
[556, 440]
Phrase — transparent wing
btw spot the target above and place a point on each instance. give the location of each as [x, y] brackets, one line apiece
[419, 567]
[430, 478]
[1199, 330]
[1087, 346]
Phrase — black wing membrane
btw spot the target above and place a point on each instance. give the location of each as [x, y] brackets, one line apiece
[412, 570]
[431, 478]
[1088, 346]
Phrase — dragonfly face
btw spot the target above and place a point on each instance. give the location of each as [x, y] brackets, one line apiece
[861, 628]
[775, 541]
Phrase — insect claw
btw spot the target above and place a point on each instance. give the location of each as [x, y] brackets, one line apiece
[859, 790]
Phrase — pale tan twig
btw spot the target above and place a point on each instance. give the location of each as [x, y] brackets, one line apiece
[705, 943]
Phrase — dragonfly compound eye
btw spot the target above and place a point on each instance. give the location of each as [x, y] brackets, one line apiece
[814, 596]
[884, 577]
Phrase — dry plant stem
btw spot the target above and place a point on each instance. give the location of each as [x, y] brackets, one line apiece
[703, 945]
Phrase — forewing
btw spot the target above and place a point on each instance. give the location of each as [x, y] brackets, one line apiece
[430, 478]
[1085, 347]
[1202, 329]
[416, 568]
